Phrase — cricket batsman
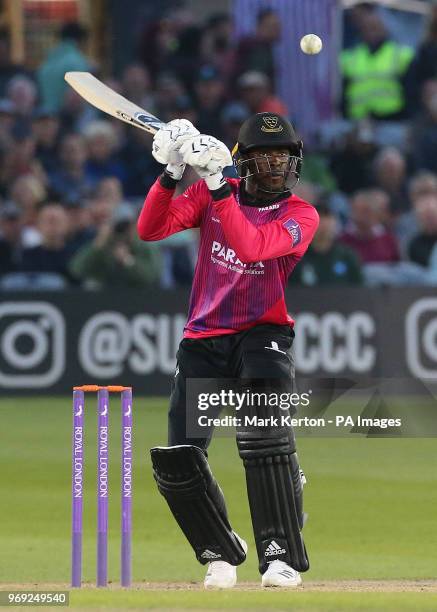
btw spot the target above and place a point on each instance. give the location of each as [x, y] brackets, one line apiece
[253, 232]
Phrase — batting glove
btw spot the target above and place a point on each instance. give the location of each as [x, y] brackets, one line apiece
[167, 143]
[207, 156]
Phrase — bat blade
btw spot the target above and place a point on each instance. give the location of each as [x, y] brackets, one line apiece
[108, 101]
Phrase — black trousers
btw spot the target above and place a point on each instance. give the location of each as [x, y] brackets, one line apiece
[262, 352]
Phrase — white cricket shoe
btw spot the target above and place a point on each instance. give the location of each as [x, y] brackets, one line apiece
[221, 574]
[279, 574]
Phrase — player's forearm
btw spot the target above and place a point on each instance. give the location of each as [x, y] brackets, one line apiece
[155, 221]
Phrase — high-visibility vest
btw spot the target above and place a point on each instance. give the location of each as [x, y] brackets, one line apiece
[373, 79]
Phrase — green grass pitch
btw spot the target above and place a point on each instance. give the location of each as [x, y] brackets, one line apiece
[371, 503]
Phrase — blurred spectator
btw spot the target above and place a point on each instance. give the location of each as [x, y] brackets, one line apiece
[421, 246]
[66, 55]
[218, 47]
[70, 180]
[117, 258]
[22, 92]
[390, 176]
[326, 262]
[8, 70]
[158, 41]
[20, 159]
[424, 65]
[45, 130]
[254, 88]
[141, 168]
[7, 120]
[232, 116]
[28, 193]
[365, 233]
[209, 98]
[256, 52]
[10, 238]
[374, 72]
[168, 90]
[308, 191]
[424, 130]
[53, 254]
[183, 108]
[102, 145]
[187, 56]
[80, 228]
[352, 162]
[136, 87]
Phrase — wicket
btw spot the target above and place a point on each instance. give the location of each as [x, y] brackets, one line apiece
[102, 482]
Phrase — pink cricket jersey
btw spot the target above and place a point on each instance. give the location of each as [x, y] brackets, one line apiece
[246, 253]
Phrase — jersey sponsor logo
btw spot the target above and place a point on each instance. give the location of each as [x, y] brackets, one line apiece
[293, 228]
[227, 258]
[215, 219]
[271, 207]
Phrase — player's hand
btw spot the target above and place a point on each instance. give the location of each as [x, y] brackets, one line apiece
[208, 157]
[167, 143]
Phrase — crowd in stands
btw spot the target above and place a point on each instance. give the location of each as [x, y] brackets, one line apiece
[73, 180]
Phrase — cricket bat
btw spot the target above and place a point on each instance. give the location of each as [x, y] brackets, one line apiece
[108, 101]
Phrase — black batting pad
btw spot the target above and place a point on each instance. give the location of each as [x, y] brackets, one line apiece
[185, 479]
[274, 490]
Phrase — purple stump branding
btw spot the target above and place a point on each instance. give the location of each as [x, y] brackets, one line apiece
[77, 488]
[102, 486]
[126, 486]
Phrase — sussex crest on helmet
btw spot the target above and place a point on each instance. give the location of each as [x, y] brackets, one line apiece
[271, 124]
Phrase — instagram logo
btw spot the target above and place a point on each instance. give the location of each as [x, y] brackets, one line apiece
[421, 338]
[32, 344]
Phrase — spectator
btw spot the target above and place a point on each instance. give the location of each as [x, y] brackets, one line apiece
[374, 72]
[327, 262]
[136, 86]
[232, 116]
[102, 145]
[117, 258]
[45, 130]
[19, 159]
[421, 246]
[168, 90]
[70, 181]
[209, 98]
[186, 59]
[66, 55]
[22, 92]
[390, 175]
[424, 131]
[53, 254]
[28, 193]
[218, 48]
[352, 161]
[255, 93]
[80, 228]
[7, 121]
[141, 167]
[256, 52]
[10, 238]
[424, 65]
[365, 233]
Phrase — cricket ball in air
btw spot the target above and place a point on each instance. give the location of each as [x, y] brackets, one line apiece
[311, 44]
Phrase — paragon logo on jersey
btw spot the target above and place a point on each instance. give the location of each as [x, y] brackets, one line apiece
[293, 228]
[227, 258]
